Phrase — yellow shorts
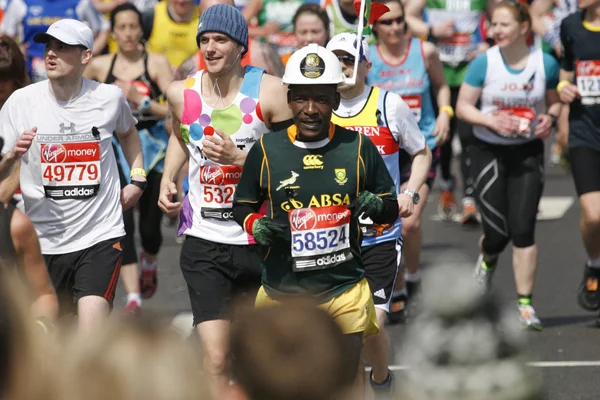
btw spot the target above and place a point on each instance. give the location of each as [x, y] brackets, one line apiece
[353, 310]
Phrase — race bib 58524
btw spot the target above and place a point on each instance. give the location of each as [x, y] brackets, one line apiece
[320, 237]
[71, 170]
[218, 183]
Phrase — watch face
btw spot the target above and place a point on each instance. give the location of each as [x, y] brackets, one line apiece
[416, 198]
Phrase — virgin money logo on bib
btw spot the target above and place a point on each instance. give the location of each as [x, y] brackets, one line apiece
[211, 175]
[588, 68]
[304, 219]
[54, 153]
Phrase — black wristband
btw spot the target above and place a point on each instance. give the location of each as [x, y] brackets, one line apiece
[141, 185]
[554, 120]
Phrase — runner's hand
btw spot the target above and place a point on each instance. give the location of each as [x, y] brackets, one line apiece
[130, 91]
[569, 93]
[165, 199]
[503, 124]
[443, 30]
[23, 144]
[368, 203]
[544, 126]
[481, 48]
[406, 206]
[221, 149]
[130, 194]
[267, 231]
[442, 128]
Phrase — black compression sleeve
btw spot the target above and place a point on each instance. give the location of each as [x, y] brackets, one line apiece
[389, 212]
[279, 126]
[242, 210]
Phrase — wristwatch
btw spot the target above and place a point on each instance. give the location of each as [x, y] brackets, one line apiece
[145, 103]
[413, 195]
[140, 184]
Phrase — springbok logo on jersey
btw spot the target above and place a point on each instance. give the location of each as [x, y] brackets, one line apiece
[288, 181]
[211, 175]
[54, 153]
[303, 219]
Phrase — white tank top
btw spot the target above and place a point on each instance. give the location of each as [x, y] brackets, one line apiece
[207, 210]
[520, 95]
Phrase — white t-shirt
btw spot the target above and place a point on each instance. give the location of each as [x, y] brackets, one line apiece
[69, 176]
[401, 120]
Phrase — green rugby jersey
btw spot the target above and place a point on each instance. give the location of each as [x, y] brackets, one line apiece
[308, 188]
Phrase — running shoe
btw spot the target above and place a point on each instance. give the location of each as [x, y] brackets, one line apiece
[397, 310]
[469, 215]
[589, 295]
[447, 207]
[528, 318]
[148, 278]
[484, 271]
[132, 309]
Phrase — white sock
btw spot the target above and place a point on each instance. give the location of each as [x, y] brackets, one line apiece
[398, 293]
[594, 263]
[415, 277]
[134, 296]
[146, 265]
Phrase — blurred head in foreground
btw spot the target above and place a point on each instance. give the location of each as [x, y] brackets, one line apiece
[20, 343]
[131, 360]
[293, 351]
[464, 345]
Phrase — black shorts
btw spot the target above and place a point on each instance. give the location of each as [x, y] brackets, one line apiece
[585, 165]
[90, 272]
[405, 164]
[217, 273]
[381, 267]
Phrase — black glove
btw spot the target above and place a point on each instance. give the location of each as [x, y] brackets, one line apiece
[366, 203]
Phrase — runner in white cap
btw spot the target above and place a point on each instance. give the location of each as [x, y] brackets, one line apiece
[388, 121]
[62, 130]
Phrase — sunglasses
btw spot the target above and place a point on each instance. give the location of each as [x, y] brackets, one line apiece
[398, 20]
[346, 59]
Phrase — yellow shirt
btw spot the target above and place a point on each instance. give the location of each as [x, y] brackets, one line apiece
[175, 40]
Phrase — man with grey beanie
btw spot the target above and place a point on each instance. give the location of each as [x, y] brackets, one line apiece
[218, 114]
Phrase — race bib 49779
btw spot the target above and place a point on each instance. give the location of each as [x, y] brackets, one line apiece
[71, 170]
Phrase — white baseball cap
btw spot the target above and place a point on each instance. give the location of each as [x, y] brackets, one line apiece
[348, 42]
[68, 31]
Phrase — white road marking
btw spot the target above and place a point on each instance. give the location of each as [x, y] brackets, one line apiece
[554, 207]
[550, 208]
[537, 364]
[183, 324]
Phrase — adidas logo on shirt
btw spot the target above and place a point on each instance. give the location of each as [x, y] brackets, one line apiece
[380, 293]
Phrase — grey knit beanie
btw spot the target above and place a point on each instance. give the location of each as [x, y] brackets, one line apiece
[224, 19]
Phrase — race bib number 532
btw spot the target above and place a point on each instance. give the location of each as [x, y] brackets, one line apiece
[71, 170]
[320, 237]
[218, 183]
